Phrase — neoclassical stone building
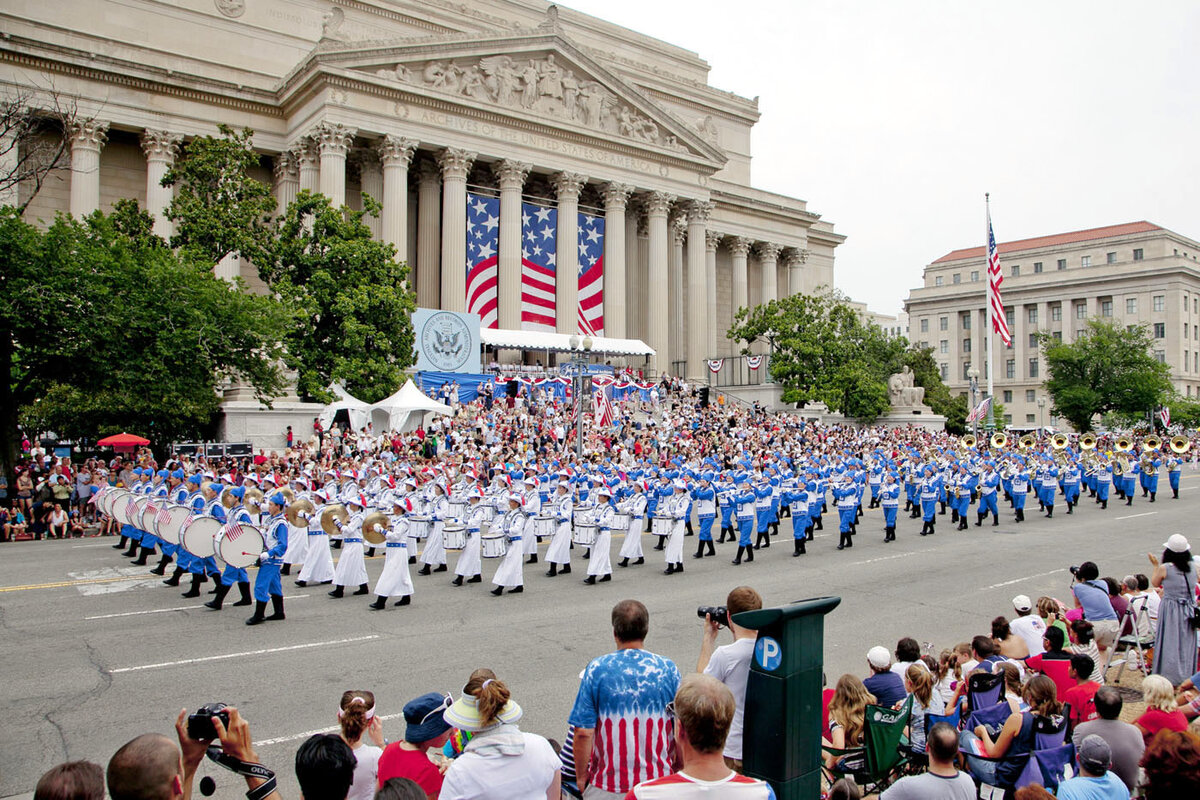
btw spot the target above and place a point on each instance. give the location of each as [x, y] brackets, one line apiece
[417, 102]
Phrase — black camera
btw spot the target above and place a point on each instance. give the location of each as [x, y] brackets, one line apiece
[200, 722]
[1074, 571]
[720, 614]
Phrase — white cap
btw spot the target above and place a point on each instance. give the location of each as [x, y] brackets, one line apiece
[1177, 543]
[1021, 603]
[879, 657]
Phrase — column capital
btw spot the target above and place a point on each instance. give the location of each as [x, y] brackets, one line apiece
[334, 138]
[796, 256]
[428, 172]
[568, 185]
[616, 196]
[698, 211]
[305, 151]
[365, 158]
[455, 162]
[679, 229]
[511, 174]
[740, 245]
[287, 167]
[712, 240]
[659, 203]
[88, 133]
[768, 251]
[161, 145]
[396, 150]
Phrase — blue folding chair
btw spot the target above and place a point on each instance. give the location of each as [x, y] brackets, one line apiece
[984, 689]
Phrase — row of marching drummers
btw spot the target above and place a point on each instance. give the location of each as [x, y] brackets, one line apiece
[198, 529]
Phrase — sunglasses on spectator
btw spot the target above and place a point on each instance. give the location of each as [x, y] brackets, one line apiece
[447, 701]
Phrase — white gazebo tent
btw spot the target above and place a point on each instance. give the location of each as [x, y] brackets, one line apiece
[358, 411]
[408, 404]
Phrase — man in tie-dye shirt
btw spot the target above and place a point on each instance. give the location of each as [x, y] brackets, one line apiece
[623, 732]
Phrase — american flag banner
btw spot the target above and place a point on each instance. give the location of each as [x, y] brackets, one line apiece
[591, 274]
[979, 411]
[539, 254]
[1164, 414]
[995, 278]
[605, 415]
[483, 248]
[754, 362]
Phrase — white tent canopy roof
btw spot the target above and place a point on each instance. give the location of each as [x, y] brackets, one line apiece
[393, 412]
[561, 342]
[358, 411]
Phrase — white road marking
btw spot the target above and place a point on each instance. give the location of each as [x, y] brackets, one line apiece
[108, 580]
[227, 656]
[1026, 578]
[1135, 516]
[164, 610]
[98, 544]
[293, 737]
[885, 558]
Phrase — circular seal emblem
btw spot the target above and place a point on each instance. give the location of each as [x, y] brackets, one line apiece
[446, 341]
[231, 8]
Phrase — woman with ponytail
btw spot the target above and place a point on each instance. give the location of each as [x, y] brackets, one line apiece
[357, 718]
[501, 762]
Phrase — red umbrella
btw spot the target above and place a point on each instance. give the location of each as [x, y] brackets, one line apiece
[123, 440]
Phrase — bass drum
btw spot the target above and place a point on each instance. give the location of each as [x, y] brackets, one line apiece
[240, 544]
[198, 536]
[149, 513]
[108, 500]
[170, 522]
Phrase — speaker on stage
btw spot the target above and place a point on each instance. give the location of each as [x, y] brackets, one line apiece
[512, 389]
[704, 397]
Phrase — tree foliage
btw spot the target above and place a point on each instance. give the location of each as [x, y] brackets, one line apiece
[1108, 369]
[352, 308]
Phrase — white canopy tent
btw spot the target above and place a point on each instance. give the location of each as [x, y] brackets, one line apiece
[408, 404]
[358, 411]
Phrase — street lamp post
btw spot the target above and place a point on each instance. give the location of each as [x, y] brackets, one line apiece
[581, 346]
[1041, 403]
[973, 377]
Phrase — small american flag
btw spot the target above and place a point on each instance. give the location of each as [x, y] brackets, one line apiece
[233, 531]
[1164, 414]
[979, 411]
[995, 278]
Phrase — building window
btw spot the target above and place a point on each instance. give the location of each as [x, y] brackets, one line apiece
[1160, 356]
[1159, 302]
[966, 367]
[1037, 268]
[1185, 331]
[956, 277]
[1033, 341]
[1196, 306]
[945, 370]
[1030, 395]
[1160, 330]
[1007, 396]
[1010, 368]
[1085, 261]
[943, 323]
[1057, 336]
[944, 346]
[1187, 362]
[1016, 270]
[924, 325]
[1081, 311]
[1137, 254]
[1056, 312]
[974, 276]
[1131, 305]
[1106, 308]
[1062, 263]
[965, 321]
[1031, 419]
[1195, 362]
[1008, 419]
[1010, 316]
[1110, 258]
[1032, 314]
[966, 348]
[1033, 367]
[937, 281]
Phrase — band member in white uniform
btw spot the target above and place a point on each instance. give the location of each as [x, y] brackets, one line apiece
[318, 561]
[351, 567]
[433, 557]
[469, 566]
[600, 560]
[677, 508]
[297, 541]
[559, 552]
[635, 506]
[531, 505]
[395, 580]
[510, 573]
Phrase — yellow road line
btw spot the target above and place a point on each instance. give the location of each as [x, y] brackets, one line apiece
[61, 584]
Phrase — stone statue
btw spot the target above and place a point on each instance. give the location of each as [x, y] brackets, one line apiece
[903, 391]
[331, 24]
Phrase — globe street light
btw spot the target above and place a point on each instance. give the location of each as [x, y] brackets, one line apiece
[581, 347]
[973, 377]
[1041, 403]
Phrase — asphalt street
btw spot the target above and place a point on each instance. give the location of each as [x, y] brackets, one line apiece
[96, 651]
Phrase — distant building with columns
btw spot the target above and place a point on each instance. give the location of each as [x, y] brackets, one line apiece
[418, 102]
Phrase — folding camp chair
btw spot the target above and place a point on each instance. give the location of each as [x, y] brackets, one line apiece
[984, 689]
[884, 753]
[1140, 638]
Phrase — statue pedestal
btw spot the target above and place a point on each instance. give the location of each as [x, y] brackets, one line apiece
[914, 416]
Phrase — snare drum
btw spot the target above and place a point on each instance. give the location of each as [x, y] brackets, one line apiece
[198, 536]
[455, 536]
[585, 535]
[662, 526]
[621, 522]
[489, 512]
[240, 544]
[545, 526]
[418, 527]
[457, 509]
[493, 545]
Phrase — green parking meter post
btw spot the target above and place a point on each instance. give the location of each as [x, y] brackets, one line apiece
[783, 696]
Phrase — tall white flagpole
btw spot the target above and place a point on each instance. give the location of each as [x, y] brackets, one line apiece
[987, 238]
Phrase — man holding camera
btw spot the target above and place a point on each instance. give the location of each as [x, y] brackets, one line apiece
[730, 664]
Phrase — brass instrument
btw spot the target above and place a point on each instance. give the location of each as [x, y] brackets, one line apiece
[1180, 445]
[288, 494]
[1124, 444]
[1059, 441]
[999, 441]
[292, 512]
[228, 500]
[1151, 442]
[1088, 442]
[332, 514]
[967, 441]
[374, 527]
[1120, 465]
[253, 500]
[1027, 442]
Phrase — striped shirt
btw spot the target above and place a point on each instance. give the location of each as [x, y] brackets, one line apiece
[681, 786]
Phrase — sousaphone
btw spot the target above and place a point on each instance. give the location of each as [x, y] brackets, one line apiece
[999, 441]
[1180, 444]
[1151, 442]
[331, 514]
[1124, 444]
[1059, 441]
[1087, 442]
[374, 527]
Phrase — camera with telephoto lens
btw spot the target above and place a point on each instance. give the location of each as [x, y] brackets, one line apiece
[200, 722]
[720, 614]
[1074, 572]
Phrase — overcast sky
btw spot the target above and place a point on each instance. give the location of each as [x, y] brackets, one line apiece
[893, 118]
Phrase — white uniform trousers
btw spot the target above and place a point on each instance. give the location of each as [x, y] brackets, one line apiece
[395, 580]
[469, 564]
[600, 560]
[351, 567]
[434, 553]
[318, 561]
[529, 540]
[297, 545]
[559, 551]
[632, 546]
[674, 551]
[511, 572]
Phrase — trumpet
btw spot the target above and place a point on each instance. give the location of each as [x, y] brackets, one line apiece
[1124, 444]
[1151, 442]
[293, 511]
[332, 515]
[1059, 441]
[374, 527]
[998, 441]
[1180, 445]
[1087, 442]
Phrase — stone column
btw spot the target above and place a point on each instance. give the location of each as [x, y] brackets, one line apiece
[615, 197]
[635, 271]
[712, 240]
[429, 235]
[567, 186]
[395, 153]
[455, 164]
[333, 141]
[87, 137]
[371, 183]
[511, 177]
[658, 204]
[678, 312]
[698, 213]
[287, 181]
[160, 148]
[795, 261]
[739, 247]
[768, 259]
[308, 163]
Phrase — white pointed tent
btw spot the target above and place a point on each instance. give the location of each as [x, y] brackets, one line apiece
[358, 411]
[408, 404]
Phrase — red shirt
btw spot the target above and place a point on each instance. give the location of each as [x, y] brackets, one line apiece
[1082, 700]
[1155, 720]
[414, 764]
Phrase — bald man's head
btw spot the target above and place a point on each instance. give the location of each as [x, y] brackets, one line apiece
[146, 768]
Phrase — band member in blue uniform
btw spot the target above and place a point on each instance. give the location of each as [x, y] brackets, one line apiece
[745, 499]
[267, 583]
[706, 511]
[889, 499]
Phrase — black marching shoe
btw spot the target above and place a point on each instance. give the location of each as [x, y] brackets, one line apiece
[606, 578]
[276, 608]
[749, 555]
[641, 560]
[175, 576]
[624, 562]
[532, 559]
[362, 589]
[712, 551]
[244, 589]
[590, 580]
[517, 589]
[215, 603]
[404, 601]
[550, 573]
[738, 558]
[425, 570]
[699, 551]
[670, 570]
[161, 569]
[499, 590]
[302, 584]
[565, 569]
[379, 604]
[121, 544]
[458, 581]
[475, 579]
[260, 611]
[441, 568]
[194, 591]
[798, 550]
[338, 591]
[141, 559]
[286, 569]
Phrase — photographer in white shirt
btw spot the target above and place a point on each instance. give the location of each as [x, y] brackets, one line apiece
[730, 664]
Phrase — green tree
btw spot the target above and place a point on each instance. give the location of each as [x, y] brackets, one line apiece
[1184, 412]
[352, 307]
[105, 328]
[1108, 369]
[219, 208]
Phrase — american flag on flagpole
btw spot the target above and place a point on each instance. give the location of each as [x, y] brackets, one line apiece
[605, 416]
[539, 256]
[979, 411]
[1164, 414]
[591, 274]
[995, 278]
[483, 247]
